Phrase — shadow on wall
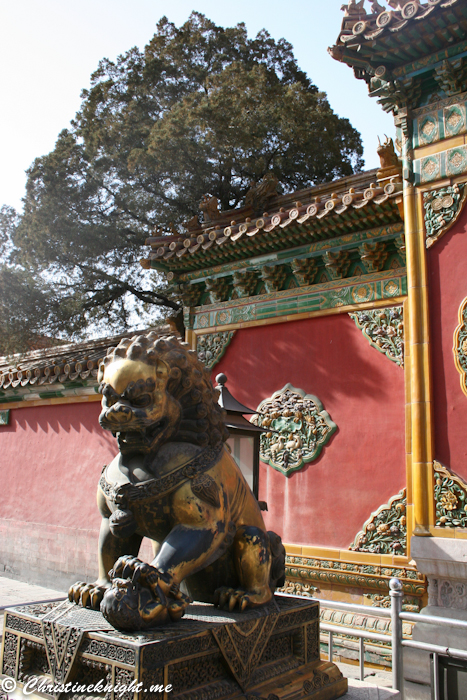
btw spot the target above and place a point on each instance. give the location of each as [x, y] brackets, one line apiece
[328, 352]
[79, 418]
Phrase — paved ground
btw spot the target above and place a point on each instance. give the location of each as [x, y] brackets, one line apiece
[15, 592]
[377, 686]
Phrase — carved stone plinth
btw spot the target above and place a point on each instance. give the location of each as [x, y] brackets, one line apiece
[444, 561]
[267, 654]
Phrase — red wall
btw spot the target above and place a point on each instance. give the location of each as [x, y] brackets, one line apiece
[363, 465]
[447, 265]
[51, 459]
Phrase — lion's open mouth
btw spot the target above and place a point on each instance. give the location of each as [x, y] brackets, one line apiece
[140, 440]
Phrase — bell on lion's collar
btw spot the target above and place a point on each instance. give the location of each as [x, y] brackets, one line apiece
[122, 523]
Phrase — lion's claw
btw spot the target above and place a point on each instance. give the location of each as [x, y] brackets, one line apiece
[88, 595]
[229, 598]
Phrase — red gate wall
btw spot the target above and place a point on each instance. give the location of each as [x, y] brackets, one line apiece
[326, 502]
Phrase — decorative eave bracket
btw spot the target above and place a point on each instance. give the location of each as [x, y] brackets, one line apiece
[442, 209]
[384, 330]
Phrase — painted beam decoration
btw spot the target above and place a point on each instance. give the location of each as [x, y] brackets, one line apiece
[386, 285]
[300, 428]
[450, 498]
[385, 532]
[211, 347]
[384, 329]
[344, 572]
[442, 209]
[460, 345]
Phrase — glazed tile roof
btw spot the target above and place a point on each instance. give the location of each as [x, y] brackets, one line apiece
[393, 42]
[352, 204]
[62, 364]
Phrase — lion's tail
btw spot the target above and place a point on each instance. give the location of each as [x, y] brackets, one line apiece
[277, 575]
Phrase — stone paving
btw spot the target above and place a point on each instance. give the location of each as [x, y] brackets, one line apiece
[375, 687]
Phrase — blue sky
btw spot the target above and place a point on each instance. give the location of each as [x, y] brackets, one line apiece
[49, 48]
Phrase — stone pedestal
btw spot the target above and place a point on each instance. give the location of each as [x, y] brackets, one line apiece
[444, 561]
[267, 654]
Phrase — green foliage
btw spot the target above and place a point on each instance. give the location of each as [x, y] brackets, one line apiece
[201, 109]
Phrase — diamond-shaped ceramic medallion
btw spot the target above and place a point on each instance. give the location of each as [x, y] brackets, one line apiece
[456, 161]
[299, 427]
[429, 130]
[454, 121]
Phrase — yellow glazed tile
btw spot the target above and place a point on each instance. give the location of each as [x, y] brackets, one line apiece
[293, 548]
[363, 557]
[322, 552]
[461, 534]
[400, 561]
[449, 533]
[438, 147]
[386, 560]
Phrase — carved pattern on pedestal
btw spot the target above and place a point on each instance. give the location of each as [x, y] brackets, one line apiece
[19, 624]
[242, 645]
[9, 654]
[384, 329]
[302, 428]
[61, 644]
[32, 659]
[460, 345]
[385, 532]
[447, 593]
[212, 346]
[450, 498]
[442, 209]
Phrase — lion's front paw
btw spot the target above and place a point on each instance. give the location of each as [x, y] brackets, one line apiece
[89, 595]
[176, 608]
[127, 566]
[229, 598]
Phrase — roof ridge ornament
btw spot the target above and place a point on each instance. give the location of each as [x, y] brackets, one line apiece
[209, 205]
[354, 8]
[260, 193]
[391, 166]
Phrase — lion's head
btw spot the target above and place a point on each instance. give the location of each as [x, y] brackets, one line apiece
[155, 390]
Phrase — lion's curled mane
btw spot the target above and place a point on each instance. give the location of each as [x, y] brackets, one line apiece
[202, 421]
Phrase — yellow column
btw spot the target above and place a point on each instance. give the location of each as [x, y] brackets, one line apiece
[419, 366]
[190, 338]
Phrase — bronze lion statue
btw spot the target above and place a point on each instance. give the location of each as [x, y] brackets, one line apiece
[175, 482]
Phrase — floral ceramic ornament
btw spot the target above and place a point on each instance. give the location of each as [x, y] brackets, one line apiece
[299, 427]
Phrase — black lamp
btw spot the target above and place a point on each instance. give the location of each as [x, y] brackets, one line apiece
[244, 438]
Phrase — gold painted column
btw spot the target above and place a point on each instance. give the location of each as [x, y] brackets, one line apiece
[420, 374]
